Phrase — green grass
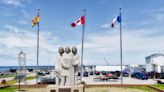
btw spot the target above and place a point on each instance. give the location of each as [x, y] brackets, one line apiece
[144, 88]
[9, 89]
[107, 89]
[13, 81]
[159, 86]
[6, 76]
[96, 89]
[12, 89]
[30, 78]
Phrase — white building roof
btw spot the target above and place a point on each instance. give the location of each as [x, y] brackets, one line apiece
[157, 59]
[155, 55]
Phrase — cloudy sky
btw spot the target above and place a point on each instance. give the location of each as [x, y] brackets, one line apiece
[143, 34]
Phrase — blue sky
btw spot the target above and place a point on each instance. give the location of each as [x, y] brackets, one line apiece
[142, 20]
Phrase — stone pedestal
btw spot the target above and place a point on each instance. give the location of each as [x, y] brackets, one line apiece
[54, 88]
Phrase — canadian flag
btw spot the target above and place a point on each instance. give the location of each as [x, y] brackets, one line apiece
[80, 21]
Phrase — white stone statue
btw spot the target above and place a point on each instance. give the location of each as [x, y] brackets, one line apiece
[76, 62]
[66, 66]
[58, 66]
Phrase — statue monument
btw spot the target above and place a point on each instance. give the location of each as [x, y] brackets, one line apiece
[66, 66]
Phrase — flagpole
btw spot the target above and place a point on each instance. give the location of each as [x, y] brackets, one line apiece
[82, 46]
[121, 48]
[37, 60]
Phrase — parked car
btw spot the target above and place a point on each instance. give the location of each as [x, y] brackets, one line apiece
[157, 75]
[112, 72]
[42, 80]
[79, 74]
[139, 75]
[153, 74]
[41, 74]
[91, 72]
[30, 69]
[47, 72]
[13, 70]
[125, 74]
[85, 74]
[97, 73]
[150, 75]
[103, 72]
[111, 76]
[162, 76]
[118, 73]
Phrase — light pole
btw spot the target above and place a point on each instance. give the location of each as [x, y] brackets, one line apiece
[22, 64]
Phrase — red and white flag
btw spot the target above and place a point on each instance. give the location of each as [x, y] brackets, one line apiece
[80, 21]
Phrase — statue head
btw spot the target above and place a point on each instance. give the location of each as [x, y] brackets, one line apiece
[74, 50]
[61, 50]
[67, 50]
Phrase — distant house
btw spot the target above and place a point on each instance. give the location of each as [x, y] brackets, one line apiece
[155, 63]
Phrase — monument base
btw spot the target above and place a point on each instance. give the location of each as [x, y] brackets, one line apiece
[54, 88]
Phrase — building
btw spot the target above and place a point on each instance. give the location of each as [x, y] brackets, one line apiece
[110, 68]
[155, 63]
[135, 68]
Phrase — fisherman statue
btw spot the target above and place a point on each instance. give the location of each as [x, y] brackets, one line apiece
[58, 66]
[66, 66]
[76, 63]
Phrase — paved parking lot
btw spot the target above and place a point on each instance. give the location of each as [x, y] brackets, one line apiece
[126, 80]
[90, 80]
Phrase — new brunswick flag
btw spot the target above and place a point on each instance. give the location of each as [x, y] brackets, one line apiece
[35, 20]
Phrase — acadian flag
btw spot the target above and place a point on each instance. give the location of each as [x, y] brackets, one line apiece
[80, 21]
[35, 20]
[117, 19]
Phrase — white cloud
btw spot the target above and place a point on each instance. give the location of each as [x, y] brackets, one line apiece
[133, 40]
[17, 3]
[6, 12]
[107, 25]
[14, 39]
[25, 19]
[12, 2]
[160, 17]
[137, 44]
[157, 14]
[25, 13]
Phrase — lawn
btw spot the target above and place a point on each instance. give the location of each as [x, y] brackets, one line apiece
[11, 82]
[144, 88]
[92, 89]
[102, 89]
[117, 89]
[9, 89]
[30, 78]
[159, 86]
[14, 89]
[6, 76]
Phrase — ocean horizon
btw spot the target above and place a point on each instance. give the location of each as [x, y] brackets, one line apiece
[7, 68]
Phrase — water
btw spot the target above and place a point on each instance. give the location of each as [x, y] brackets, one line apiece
[7, 68]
